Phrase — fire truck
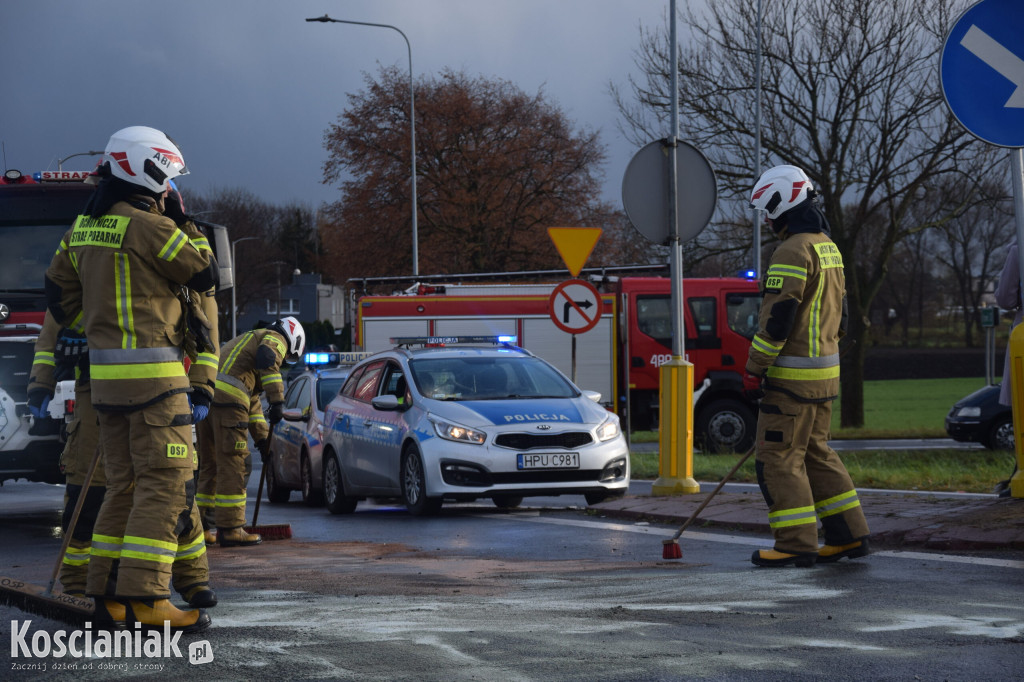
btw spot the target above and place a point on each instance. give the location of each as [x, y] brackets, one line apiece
[35, 212]
[619, 356]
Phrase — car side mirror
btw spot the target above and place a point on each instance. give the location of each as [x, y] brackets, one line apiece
[593, 395]
[387, 403]
[294, 414]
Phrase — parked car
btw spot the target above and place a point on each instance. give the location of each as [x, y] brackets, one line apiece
[296, 443]
[461, 422]
[980, 418]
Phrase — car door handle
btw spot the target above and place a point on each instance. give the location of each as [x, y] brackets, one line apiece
[368, 423]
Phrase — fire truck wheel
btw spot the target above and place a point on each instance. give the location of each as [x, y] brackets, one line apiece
[725, 425]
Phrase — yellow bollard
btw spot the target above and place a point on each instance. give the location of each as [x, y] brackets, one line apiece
[675, 438]
[1016, 351]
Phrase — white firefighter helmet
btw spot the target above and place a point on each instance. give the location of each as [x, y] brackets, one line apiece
[780, 189]
[145, 157]
[294, 336]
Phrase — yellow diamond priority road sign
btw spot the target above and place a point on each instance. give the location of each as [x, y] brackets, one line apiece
[574, 244]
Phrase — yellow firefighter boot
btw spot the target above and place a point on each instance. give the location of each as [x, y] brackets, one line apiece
[774, 558]
[154, 613]
[109, 614]
[237, 537]
[210, 537]
[200, 597]
[828, 554]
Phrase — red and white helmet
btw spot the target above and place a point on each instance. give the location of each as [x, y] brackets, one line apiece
[294, 336]
[780, 189]
[144, 156]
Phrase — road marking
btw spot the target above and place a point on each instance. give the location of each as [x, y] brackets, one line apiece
[741, 540]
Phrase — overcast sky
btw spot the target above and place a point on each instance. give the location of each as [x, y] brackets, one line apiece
[248, 88]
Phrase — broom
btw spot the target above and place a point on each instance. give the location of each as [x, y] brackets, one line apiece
[276, 531]
[35, 599]
[670, 548]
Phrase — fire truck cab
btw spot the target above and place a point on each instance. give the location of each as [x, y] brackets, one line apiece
[35, 212]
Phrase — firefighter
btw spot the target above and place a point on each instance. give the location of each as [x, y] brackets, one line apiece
[62, 354]
[117, 277]
[250, 364]
[793, 367]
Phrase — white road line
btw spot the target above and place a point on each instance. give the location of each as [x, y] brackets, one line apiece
[740, 540]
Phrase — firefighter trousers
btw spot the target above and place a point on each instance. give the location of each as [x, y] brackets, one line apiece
[802, 478]
[226, 477]
[149, 459]
[206, 484]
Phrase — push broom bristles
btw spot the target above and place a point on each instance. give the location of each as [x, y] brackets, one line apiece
[54, 605]
[275, 531]
[670, 549]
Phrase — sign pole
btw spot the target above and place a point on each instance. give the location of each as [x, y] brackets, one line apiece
[675, 437]
[1016, 347]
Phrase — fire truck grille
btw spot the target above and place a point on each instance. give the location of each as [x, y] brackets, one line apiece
[529, 441]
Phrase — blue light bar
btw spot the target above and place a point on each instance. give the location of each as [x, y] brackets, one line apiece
[748, 274]
[318, 358]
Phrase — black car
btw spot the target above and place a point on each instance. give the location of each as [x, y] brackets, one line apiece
[981, 418]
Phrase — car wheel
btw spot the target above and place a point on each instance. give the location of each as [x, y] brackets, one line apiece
[1000, 436]
[311, 496]
[724, 426]
[507, 501]
[334, 490]
[414, 486]
[598, 498]
[276, 493]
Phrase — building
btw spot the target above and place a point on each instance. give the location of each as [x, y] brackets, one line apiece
[306, 299]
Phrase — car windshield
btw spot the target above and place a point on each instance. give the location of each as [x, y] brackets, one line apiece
[326, 390]
[489, 378]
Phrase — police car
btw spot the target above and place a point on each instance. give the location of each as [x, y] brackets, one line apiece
[464, 418]
[296, 442]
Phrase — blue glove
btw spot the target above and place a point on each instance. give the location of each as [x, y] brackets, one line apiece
[39, 410]
[200, 404]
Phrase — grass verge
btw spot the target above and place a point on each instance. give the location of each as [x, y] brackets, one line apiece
[972, 471]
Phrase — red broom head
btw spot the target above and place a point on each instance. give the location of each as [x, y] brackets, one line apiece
[670, 549]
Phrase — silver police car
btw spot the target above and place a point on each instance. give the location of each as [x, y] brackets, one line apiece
[462, 418]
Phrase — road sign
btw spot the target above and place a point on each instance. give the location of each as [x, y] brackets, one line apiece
[574, 245]
[575, 306]
[645, 191]
[982, 71]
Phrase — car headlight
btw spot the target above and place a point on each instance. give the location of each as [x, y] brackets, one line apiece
[970, 411]
[608, 430]
[457, 433]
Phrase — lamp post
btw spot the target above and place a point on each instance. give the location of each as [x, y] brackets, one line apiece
[234, 286]
[412, 127]
[60, 162]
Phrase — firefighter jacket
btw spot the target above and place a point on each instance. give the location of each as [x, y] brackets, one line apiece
[202, 373]
[116, 278]
[44, 366]
[250, 364]
[802, 317]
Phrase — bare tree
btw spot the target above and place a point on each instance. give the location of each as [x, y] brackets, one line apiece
[851, 94]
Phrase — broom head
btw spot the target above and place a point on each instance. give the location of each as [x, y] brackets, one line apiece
[274, 531]
[670, 549]
[54, 605]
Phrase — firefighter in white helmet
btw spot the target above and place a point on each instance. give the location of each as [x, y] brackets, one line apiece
[117, 276]
[250, 364]
[793, 367]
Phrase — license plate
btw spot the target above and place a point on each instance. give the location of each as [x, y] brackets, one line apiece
[548, 460]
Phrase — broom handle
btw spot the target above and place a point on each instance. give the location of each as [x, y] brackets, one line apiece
[259, 495]
[714, 492]
[79, 503]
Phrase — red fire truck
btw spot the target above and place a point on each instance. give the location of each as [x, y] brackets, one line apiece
[35, 211]
[619, 356]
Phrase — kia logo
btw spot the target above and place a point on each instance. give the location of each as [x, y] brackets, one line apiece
[5, 312]
[543, 427]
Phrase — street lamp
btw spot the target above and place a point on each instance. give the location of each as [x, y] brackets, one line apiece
[60, 162]
[412, 128]
[234, 287]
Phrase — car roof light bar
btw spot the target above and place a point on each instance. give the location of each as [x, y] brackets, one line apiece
[408, 341]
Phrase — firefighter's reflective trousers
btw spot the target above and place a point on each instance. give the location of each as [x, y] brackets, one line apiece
[148, 519]
[802, 478]
[225, 465]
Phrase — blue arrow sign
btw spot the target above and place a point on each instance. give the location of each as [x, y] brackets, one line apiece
[982, 71]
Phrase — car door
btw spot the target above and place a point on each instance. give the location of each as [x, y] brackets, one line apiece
[387, 429]
[354, 426]
[288, 435]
